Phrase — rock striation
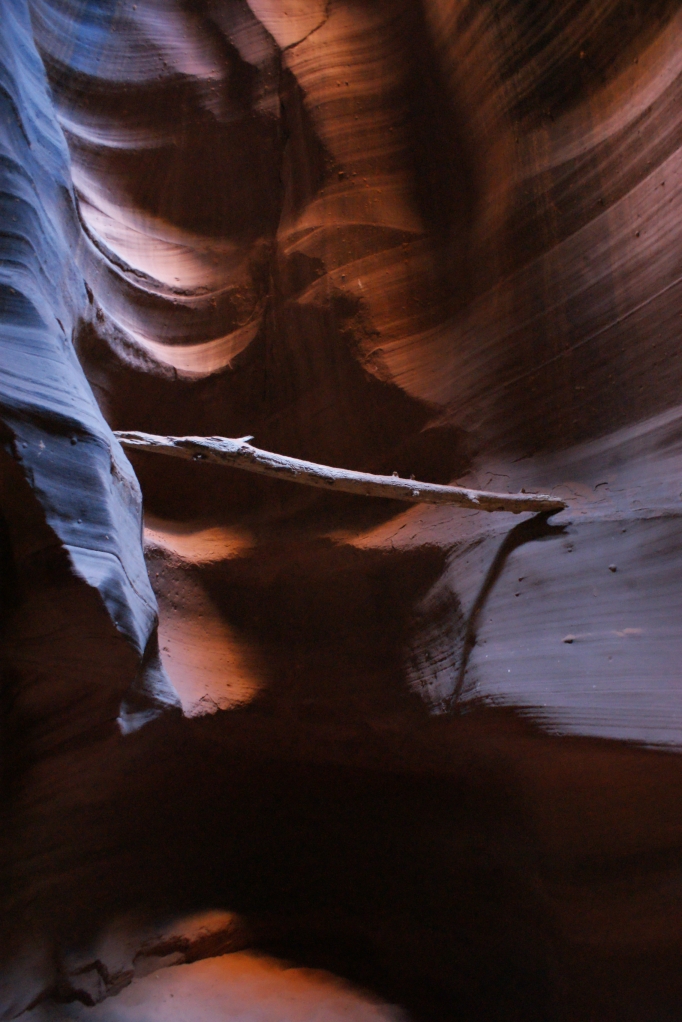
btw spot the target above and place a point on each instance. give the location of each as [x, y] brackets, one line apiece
[426, 749]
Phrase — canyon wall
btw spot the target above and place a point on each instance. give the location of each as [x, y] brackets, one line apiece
[431, 750]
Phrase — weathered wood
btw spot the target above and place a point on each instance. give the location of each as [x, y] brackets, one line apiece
[240, 454]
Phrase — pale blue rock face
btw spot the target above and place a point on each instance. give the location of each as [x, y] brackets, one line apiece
[80, 660]
[79, 478]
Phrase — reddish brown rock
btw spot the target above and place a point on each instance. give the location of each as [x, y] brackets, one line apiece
[431, 751]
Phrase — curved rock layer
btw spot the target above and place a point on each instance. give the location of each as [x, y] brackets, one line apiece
[432, 238]
[71, 505]
[425, 749]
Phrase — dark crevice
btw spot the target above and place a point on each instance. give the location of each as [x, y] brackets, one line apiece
[536, 528]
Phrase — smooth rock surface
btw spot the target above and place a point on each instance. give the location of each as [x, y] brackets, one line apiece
[233, 988]
[432, 751]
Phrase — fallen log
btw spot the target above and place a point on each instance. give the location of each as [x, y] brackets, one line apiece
[240, 454]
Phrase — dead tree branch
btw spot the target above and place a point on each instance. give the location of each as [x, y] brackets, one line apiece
[240, 454]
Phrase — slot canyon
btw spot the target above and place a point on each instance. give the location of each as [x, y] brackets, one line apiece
[275, 754]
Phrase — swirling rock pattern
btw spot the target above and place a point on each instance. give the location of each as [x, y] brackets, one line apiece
[432, 237]
[423, 237]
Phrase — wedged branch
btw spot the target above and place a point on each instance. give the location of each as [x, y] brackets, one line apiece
[240, 454]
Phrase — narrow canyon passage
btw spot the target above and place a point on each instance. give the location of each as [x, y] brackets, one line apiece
[277, 754]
